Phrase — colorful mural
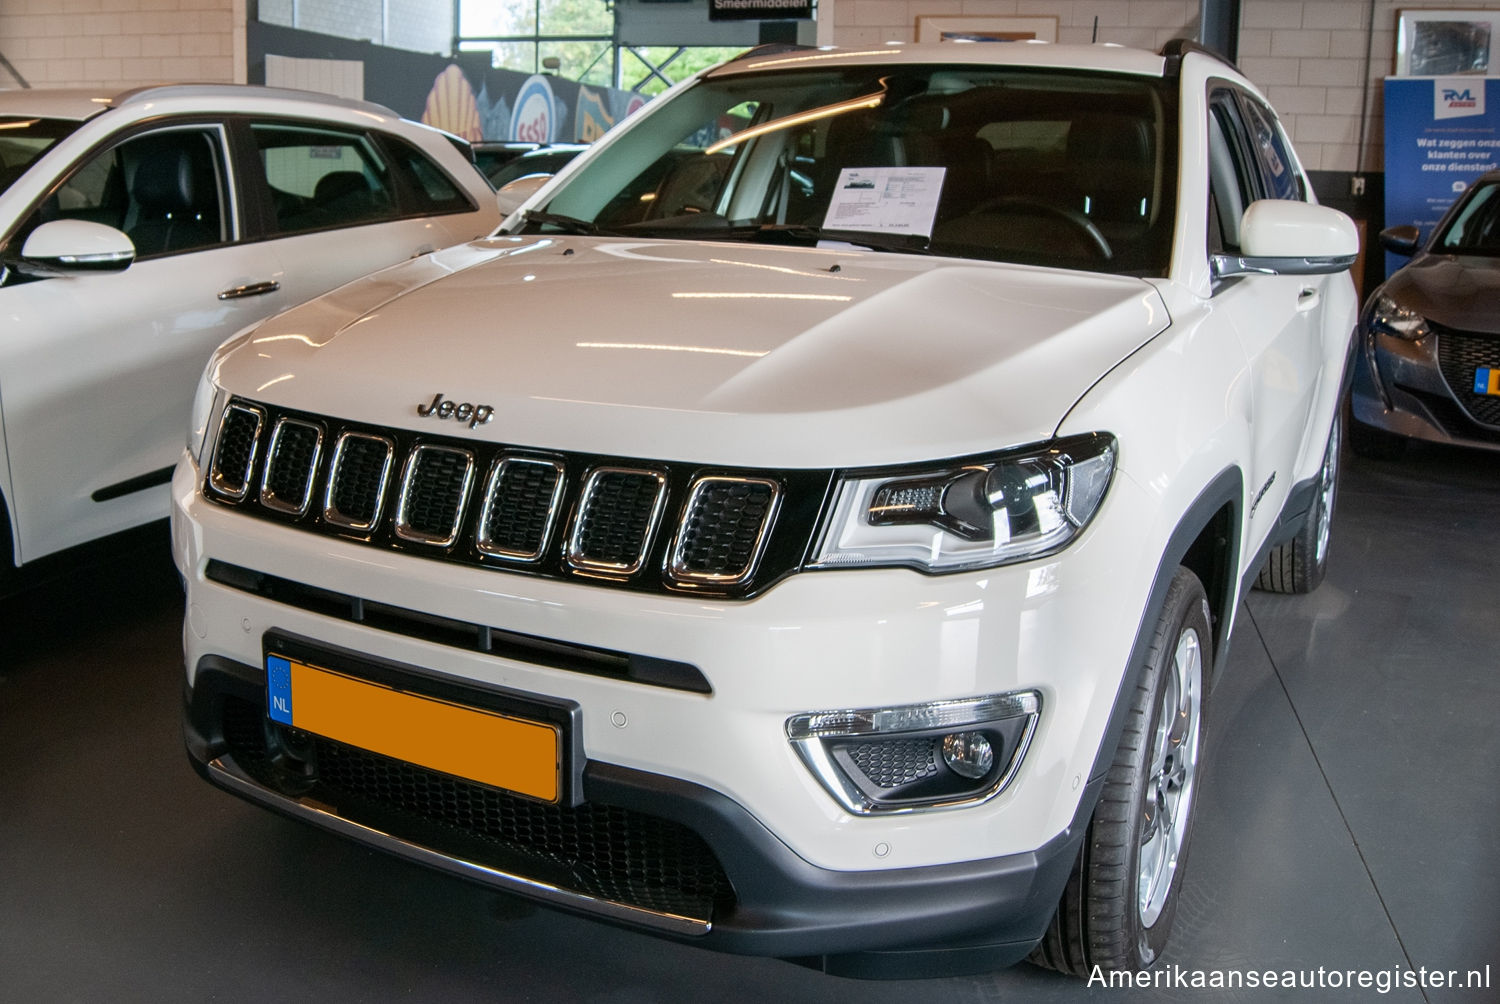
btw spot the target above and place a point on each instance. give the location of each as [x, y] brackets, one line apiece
[462, 94]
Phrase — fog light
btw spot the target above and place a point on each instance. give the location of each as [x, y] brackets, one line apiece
[917, 756]
[968, 754]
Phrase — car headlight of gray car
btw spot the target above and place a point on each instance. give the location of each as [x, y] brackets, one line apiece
[1388, 317]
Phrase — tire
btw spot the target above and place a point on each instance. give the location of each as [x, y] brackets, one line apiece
[1298, 565]
[1117, 908]
[1377, 444]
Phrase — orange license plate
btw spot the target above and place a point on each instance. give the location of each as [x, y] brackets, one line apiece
[472, 743]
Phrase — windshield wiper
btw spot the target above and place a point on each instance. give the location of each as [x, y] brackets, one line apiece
[569, 224]
[789, 232]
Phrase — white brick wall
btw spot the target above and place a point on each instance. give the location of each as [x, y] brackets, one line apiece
[1148, 23]
[1320, 91]
[119, 43]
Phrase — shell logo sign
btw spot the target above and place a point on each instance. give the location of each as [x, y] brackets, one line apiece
[535, 115]
[451, 105]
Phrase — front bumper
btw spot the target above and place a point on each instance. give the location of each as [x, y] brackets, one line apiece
[805, 878]
[1399, 387]
[967, 916]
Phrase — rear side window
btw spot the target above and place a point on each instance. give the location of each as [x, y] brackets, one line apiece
[321, 179]
[432, 191]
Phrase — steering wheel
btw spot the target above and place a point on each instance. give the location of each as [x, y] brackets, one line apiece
[1019, 205]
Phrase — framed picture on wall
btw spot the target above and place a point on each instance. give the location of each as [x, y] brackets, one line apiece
[1445, 43]
[945, 28]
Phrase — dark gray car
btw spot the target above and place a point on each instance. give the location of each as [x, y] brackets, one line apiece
[1430, 336]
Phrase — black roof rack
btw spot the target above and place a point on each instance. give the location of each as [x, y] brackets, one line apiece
[1177, 48]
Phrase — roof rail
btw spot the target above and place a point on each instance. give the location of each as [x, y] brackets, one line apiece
[155, 91]
[1177, 48]
[771, 49]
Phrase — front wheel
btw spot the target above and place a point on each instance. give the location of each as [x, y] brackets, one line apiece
[1117, 908]
[1298, 565]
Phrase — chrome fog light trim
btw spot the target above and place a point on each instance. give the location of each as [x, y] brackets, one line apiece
[882, 760]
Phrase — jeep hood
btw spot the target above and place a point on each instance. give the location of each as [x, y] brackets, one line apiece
[716, 353]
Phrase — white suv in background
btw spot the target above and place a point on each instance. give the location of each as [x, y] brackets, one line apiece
[810, 527]
[140, 230]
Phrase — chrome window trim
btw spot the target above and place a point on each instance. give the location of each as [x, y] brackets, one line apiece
[215, 481]
[484, 542]
[331, 513]
[404, 530]
[575, 558]
[268, 497]
[675, 570]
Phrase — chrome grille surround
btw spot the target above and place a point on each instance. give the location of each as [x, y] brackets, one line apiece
[235, 484]
[342, 448]
[681, 564]
[301, 470]
[583, 550]
[486, 539]
[452, 498]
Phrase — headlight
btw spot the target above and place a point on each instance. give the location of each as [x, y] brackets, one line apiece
[1014, 506]
[205, 404]
[1390, 318]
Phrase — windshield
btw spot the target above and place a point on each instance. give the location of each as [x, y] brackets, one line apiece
[1475, 226]
[23, 140]
[1049, 167]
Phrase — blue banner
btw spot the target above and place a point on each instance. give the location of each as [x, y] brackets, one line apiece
[1440, 134]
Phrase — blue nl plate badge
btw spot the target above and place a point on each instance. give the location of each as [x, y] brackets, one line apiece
[1487, 381]
[279, 689]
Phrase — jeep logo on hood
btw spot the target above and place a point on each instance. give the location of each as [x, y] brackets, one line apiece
[475, 414]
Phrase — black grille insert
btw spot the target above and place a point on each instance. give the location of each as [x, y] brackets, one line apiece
[597, 850]
[725, 526]
[520, 504]
[356, 489]
[291, 462]
[433, 492]
[234, 450]
[1460, 354]
[619, 510]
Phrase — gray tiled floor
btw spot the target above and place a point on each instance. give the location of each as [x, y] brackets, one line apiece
[1348, 821]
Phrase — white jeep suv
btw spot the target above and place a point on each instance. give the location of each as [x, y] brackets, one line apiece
[139, 230]
[811, 525]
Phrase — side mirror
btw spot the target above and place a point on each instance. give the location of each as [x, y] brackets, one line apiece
[1282, 237]
[68, 247]
[1402, 240]
[513, 193]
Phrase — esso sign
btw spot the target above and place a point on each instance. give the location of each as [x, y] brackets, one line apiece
[535, 114]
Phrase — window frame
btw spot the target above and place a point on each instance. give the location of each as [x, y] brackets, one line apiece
[226, 170]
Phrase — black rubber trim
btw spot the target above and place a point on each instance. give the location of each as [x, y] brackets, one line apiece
[133, 485]
[966, 917]
[1225, 490]
[534, 649]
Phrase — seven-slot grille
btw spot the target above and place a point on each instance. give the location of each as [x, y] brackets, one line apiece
[1459, 355]
[557, 515]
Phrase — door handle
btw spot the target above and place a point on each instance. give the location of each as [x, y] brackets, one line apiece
[425, 249]
[1308, 298]
[250, 289]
